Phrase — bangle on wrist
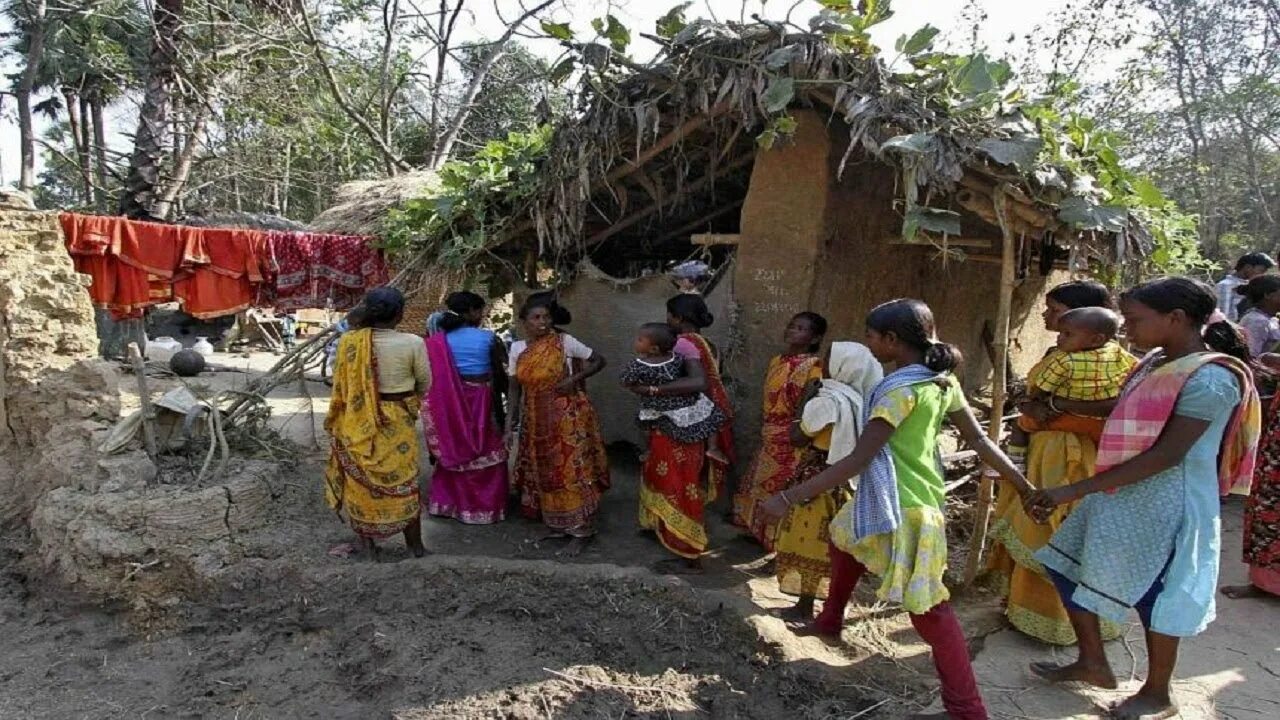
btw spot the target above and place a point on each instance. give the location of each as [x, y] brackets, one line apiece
[786, 499]
[1052, 406]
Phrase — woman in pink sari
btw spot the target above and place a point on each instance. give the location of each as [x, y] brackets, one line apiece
[462, 415]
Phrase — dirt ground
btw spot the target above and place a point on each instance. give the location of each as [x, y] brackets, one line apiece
[495, 624]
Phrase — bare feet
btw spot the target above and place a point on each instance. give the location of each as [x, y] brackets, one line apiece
[797, 614]
[1143, 707]
[1095, 675]
[930, 716]
[679, 566]
[418, 550]
[1240, 592]
[370, 550]
[575, 547]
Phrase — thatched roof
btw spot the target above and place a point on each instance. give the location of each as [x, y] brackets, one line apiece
[656, 152]
[361, 206]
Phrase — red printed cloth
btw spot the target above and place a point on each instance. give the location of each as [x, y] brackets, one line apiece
[319, 270]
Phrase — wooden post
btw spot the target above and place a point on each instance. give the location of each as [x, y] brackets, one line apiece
[148, 419]
[999, 384]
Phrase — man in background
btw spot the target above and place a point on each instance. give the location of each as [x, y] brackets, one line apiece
[1247, 267]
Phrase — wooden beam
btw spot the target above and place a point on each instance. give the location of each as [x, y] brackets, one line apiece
[709, 239]
[927, 241]
[700, 222]
[999, 384]
[1023, 207]
[666, 141]
[980, 205]
[693, 187]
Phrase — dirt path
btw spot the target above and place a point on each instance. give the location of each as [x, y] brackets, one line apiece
[495, 624]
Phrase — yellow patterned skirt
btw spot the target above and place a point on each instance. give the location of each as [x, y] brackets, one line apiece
[373, 481]
[909, 561]
[1054, 459]
[803, 565]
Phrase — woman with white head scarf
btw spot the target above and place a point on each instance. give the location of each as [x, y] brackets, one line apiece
[829, 424]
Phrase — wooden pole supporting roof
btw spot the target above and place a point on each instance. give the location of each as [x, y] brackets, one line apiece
[999, 382]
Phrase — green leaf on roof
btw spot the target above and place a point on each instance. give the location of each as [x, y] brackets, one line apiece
[974, 77]
[930, 219]
[780, 93]
[918, 42]
[670, 24]
[1020, 151]
[780, 58]
[1148, 193]
[559, 31]
[1085, 214]
[616, 33]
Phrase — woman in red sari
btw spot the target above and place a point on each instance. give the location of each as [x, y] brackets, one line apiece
[679, 479]
[778, 459]
[561, 466]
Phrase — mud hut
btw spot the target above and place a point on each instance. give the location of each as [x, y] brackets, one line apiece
[812, 177]
[361, 208]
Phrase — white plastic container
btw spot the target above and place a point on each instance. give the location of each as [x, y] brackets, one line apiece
[203, 346]
[162, 348]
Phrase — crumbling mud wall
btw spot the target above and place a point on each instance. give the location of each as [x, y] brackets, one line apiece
[94, 520]
[55, 397]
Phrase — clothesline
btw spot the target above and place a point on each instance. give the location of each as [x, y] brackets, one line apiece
[215, 272]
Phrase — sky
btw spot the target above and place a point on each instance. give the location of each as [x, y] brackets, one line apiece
[1004, 19]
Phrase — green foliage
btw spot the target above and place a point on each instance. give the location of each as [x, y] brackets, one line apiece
[473, 202]
[615, 32]
[670, 24]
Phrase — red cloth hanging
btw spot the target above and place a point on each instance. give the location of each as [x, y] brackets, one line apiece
[94, 244]
[225, 285]
[215, 271]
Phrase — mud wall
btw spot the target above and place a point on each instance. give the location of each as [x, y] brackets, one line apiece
[811, 241]
[611, 333]
[54, 396]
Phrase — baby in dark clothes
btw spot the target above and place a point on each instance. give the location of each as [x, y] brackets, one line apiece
[685, 418]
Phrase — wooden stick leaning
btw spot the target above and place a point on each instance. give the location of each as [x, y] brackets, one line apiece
[148, 415]
[999, 385]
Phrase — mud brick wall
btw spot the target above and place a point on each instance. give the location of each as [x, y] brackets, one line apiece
[815, 241]
[54, 396]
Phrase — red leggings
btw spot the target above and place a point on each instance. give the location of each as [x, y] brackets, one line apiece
[939, 628]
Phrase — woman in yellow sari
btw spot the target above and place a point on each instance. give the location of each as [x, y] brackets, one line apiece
[1054, 458]
[378, 377]
[561, 465]
[778, 460]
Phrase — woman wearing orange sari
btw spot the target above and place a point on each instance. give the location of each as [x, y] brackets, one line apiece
[778, 460]
[561, 466]
[679, 479]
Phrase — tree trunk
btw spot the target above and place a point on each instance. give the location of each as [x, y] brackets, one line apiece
[99, 148]
[26, 83]
[76, 119]
[86, 145]
[182, 164]
[140, 195]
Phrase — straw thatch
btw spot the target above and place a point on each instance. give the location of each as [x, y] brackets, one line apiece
[656, 152]
[361, 206]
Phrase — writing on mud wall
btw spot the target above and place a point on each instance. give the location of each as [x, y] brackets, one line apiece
[779, 298]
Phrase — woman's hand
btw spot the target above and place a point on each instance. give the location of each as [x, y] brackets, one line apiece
[774, 508]
[1037, 410]
[1041, 504]
[566, 387]
[797, 435]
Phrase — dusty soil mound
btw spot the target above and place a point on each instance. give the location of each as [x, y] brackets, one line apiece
[441, 638]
